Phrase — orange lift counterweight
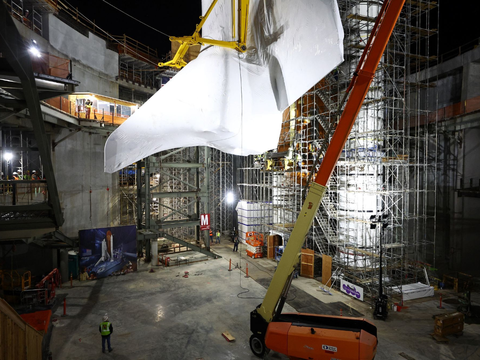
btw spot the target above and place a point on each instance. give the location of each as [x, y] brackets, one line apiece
[308, 336]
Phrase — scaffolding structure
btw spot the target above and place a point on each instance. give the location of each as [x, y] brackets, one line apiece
[380, 198]
[176, 179]
[220, 184]
[183, 184]
[128, 195]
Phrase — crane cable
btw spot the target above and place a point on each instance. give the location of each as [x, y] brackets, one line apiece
[141, 22]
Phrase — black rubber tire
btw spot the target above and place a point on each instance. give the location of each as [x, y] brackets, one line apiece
[257, 346]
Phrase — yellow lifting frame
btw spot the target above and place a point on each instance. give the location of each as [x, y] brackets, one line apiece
[195, 39]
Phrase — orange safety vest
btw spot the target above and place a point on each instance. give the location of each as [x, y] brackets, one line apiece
[211, 233]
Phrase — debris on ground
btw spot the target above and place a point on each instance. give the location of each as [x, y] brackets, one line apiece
[228, 336]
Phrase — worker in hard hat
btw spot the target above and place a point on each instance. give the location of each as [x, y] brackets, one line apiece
[88, 108]
[235, 243]
[15, 176]
[106, 329]
[34, 175]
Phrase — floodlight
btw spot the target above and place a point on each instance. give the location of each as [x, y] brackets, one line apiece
[34, 50]
[230, 197]
[8, 156]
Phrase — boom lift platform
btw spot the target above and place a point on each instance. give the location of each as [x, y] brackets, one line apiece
[254, 242]
[308, 336]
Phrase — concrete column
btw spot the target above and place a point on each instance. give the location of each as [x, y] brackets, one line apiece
[64, 265]
[154, 247]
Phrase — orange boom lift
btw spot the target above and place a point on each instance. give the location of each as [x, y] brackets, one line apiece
[308, 336]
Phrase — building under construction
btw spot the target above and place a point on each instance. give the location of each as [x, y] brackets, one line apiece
[398, 218]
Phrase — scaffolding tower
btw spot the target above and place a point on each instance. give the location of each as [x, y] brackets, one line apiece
[380, 197]
[220, 185]
[166, 194]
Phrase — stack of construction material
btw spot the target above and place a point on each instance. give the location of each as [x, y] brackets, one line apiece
[448, 324]
[253, 216]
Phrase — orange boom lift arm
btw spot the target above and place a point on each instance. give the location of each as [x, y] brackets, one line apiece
[308, 336]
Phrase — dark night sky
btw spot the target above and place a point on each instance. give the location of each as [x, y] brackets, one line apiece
[174, 17]
[458, 20]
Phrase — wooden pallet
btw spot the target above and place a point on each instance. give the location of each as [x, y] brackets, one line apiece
[438, 338]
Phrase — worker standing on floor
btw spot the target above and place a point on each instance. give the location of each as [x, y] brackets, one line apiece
[211, 236]
[218, 237]
[106, 329]
[235, 243]
[88, 108]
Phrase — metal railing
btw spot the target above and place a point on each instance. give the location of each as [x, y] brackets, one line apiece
[23, 192]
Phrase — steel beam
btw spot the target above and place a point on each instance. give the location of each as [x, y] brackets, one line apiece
[151, 234]
[181, 165]
[171, 153]
[177, 178]
[191, 246]
[177, 223]
[173, 194]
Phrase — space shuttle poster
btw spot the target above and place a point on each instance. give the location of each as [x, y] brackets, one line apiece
[108, 251]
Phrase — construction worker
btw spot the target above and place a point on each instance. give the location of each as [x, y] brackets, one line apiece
[34, 175]
[106, 329]
[218, 237]
[88, 108]
[235, 243]
[15, 176]
[211, 236]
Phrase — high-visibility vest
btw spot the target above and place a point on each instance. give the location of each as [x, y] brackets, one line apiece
[105, 326]
[211, 233]
[218, 233]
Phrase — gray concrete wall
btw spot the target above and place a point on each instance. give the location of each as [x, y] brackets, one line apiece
[89, 197]
[90, 51]
[93, 81]
[466, 216]
[92, 63]
[448, 91]
[471, 81]
[457, 245]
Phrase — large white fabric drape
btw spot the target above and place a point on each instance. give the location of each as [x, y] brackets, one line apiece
[232, 101]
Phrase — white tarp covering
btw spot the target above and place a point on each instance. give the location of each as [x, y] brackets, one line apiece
[414, 291]
[232, 101]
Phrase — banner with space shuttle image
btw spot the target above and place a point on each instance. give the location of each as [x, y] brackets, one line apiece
[108, 251]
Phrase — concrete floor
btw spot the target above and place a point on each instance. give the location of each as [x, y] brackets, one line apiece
[162, 315]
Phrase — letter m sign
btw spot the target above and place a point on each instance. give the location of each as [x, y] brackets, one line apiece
[204, 221]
